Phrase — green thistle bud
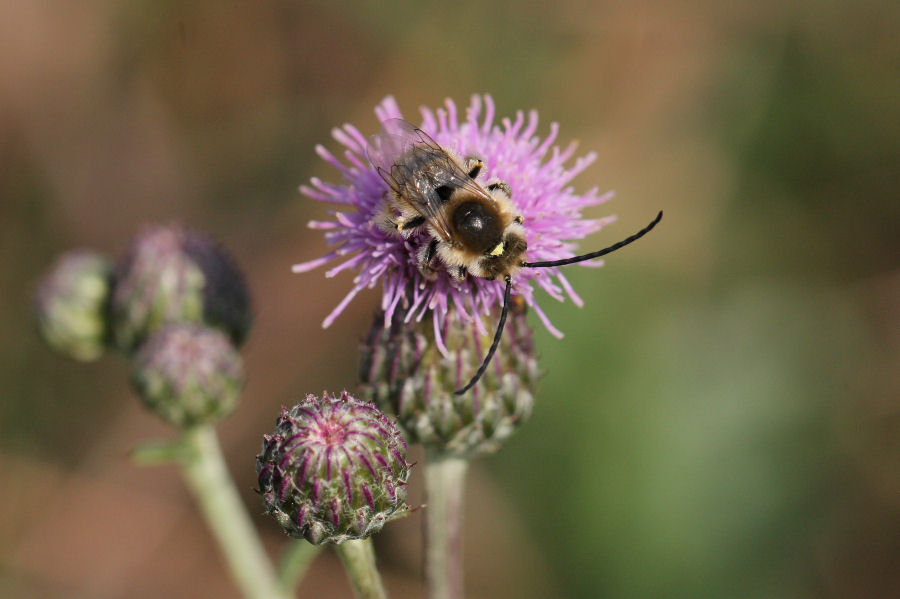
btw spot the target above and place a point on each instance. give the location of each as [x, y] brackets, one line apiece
[172, 275]
[334, 469]
[405, 373]
[71, 304]
[188, 375]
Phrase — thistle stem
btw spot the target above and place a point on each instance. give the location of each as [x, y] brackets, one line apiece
[359, 561]
[294, 563]
[211, 484]
[444, 490]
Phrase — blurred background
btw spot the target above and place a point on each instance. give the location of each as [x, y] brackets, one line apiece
[721, 419]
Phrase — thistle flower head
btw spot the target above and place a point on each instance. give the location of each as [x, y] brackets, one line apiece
[71, 304]
[188, 374]
[402, 370]
[334, 469]
[537, 171]
[175, 275]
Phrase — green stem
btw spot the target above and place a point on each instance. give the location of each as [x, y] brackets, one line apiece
[213, 488]
[294, 563]
[444, 489]
[359, 561]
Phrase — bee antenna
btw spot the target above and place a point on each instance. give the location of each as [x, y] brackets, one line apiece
[598, 253]
[496, 342]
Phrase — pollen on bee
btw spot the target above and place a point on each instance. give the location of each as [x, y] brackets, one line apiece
[498, 250]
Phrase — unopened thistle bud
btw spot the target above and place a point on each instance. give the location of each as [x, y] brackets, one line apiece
[174, 275]
[188, 375]
[71, 304]
[405, 372]
[334, 469]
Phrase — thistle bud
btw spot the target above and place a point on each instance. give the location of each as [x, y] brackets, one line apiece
[406, 374]
[71, 304]
[172, 275]
[188, 375]
[334, 469]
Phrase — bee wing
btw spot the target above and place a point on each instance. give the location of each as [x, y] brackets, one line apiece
[414, 166]
[385, 149]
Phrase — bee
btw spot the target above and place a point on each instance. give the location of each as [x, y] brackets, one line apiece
[474, 229]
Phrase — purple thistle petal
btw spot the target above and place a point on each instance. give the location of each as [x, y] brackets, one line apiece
[328, 157]
[359, 138]
[576, 299]
[306, 266]
[546, 322]
[429, 122]
[388, 109]
[347, 138]
[340, 307]
[488, 114]
[323, 225]
[344, 266]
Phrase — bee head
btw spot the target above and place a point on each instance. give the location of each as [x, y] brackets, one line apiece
[507, 255]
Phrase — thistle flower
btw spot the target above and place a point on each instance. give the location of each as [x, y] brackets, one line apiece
[188, 374]
[402, 370]
[175, 275]
[535, 169]
[334, 469]
[71, 304]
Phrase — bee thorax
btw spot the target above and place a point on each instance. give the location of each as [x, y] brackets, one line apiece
[477, 226]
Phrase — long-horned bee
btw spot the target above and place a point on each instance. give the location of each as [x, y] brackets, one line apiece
[475, 229]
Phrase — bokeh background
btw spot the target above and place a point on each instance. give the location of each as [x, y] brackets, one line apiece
[721, 419]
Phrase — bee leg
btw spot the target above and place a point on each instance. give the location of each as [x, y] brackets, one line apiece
[473, 166]
[413, 223]
[426, 256]
[395, 225]
[388, 225]
[500, 186]
[430, 252]
[461, 273]
[389, 221]
[429, 272]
